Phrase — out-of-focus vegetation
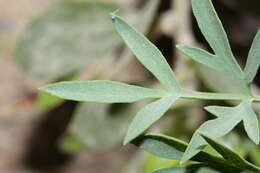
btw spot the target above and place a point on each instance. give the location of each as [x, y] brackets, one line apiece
[75, 40]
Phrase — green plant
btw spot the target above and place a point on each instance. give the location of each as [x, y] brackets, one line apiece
[227, 117]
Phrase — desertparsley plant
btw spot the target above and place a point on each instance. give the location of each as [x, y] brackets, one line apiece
[222, 60]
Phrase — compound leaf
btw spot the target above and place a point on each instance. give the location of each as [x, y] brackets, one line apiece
[101, 91]
[228, 118]
[146, 53]
[148, 115]
[207, 59]
[253, 60]
[200, 55]
[213, 31]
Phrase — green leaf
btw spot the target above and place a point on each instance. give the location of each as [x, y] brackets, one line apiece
[67, 37]
[71, 144]
[146, 16]
[254, 154]
[250, 121]
[153, 163]
[201, 56]
[212, 29]
[161, 145]
[146, 53]
[101, 126]
[208, 76]
[208, 59]
[241, 112]
[101, 91]
[197, 168]
[47, 101]
[228, 118]
[171, 148]
[253, 60]
[230, 156]
[148, 115]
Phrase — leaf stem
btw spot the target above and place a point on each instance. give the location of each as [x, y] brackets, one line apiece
[215, 96]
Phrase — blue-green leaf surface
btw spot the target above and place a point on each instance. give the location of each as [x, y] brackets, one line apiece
[148, 115]
[253, 60]
[211, 27]
[161, 145]
[146, 53]
[228, 118]
[101, 91]
[250, 121]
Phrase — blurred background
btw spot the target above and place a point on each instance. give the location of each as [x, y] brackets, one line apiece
[45, 41]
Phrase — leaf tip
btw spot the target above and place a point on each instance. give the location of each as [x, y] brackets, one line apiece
[43, 88]
[129, 138]
[114, 14]
[126, 141]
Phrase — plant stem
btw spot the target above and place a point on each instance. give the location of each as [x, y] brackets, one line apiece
[215, 96]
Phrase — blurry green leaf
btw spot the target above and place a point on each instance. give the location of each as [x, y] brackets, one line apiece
[254, 154]
[146, 15]
[71, 144]
[135, 164]
[197, 168]
[47, 101]
[213, 31]
[153, 163]
[67, 37]
[101, 91]
[230, 156]
[101, 126]
[148, 115]
[146, 53]
[237, 143]
[253, 60]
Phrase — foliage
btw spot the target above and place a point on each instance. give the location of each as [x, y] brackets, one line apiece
[221, 60]
[60, 41]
